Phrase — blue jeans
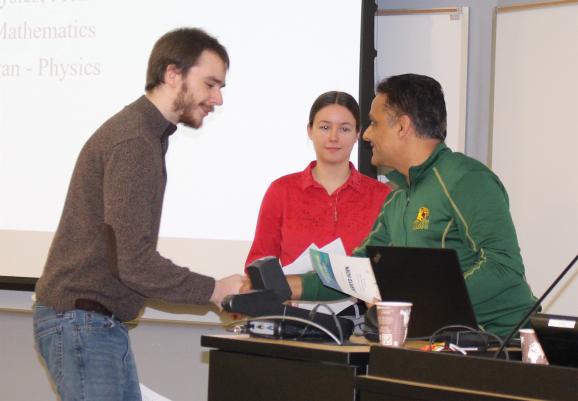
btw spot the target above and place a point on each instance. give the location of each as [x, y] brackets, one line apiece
[87, 354]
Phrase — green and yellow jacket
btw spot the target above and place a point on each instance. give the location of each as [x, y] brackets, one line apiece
[453, 201]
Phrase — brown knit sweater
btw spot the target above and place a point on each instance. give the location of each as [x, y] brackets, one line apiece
[105, 246]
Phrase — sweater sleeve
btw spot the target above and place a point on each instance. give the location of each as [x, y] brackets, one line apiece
[131, 181]
[267, 240]
[484, 222]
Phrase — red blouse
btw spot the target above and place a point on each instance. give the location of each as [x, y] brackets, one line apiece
[297, 211]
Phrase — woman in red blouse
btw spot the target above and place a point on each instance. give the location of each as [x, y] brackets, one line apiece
[327, 200]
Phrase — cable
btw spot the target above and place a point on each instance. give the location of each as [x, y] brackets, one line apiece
[456, 326]
[290, 318]
[502, 348]
[337, 323]
[482, 334]
[534, 307]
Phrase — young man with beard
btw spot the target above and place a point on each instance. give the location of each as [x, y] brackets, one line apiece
[103, 263]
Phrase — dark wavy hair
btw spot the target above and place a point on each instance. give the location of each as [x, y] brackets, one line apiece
[421, 98]
[181, 47]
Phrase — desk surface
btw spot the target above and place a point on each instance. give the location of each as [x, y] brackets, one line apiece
[353, 353]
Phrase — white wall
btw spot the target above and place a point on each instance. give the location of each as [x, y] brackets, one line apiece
[534, 141]
[433, 44]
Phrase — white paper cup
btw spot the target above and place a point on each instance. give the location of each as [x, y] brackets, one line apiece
[531, 349]
[393, 321]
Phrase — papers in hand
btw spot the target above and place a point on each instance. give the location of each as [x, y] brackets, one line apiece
[350, 275]
[303, 265]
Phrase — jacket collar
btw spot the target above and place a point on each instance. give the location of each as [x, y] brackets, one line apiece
[416, 173]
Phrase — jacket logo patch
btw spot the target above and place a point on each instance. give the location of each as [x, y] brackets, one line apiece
[421, 222]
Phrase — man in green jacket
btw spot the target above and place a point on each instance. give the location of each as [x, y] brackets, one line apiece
[443, 200]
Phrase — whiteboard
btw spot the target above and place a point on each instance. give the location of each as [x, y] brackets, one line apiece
[535, 139]
[428, 42]
[67, 66]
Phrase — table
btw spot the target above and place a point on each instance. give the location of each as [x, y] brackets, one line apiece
[408, 375]
[247, 368]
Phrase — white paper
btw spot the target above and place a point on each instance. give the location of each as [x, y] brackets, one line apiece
[303, 265]
[335, 247]
[303, 262]
[350, 275]
[149, 395]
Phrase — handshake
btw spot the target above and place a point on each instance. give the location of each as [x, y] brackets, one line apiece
[263, 274]
[267, 291]
[225, 286]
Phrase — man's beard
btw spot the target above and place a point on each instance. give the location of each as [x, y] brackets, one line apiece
[187, 104]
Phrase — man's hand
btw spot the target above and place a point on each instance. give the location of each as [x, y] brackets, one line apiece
[225, 286]
[247, 285]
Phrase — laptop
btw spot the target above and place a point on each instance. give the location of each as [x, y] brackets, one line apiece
[430, 278]
[558, 336]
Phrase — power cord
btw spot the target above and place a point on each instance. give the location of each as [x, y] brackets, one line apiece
[333, 315]
[241, 326]
[483, 335]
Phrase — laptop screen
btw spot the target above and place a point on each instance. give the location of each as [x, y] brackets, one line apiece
[429, 278]
[558, 336]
